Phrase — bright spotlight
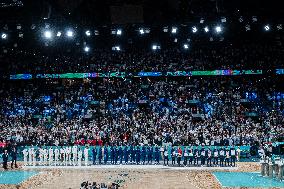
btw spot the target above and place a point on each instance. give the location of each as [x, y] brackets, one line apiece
[88, 33]
[174, 30]
[185, 46]
[206, 29]
[218, 29]
[118, 32]
[266, 27]
[87, 49]
[4, 36]
[58, 34]
[47, 34]
[194, 29]
[69, 33]
[116, 48]
[156, 47]
[141, 31]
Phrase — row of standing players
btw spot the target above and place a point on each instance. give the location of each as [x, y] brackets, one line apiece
[131, 155]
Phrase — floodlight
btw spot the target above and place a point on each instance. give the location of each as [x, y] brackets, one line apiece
[141, 31]
[118, 32]
[218, 29]
[48, 34]
[266, 27]
[206, 29]
[69, 33]
[87, 49]
[174, 30]
[116, 48]
[194, 29]
[58, 34]
[4, 36]
[156, 47]
[88, 33]
[185, 46]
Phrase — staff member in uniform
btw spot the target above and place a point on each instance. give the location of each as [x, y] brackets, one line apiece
[196, 156]
[138, 154]
[132, 152]
[105, 155]
[94, 153]
[166, 157]
[5, 157]
[222, 157]
[120, 152]
[143, 155]
[216, 156]
[173, 153]
[202, 156]
[227, 157]
[150, 154]
[14, 157]
[209, 157]
[185, 156]
[100, 155]
[157, 155]
[190, 155]
[126, 154]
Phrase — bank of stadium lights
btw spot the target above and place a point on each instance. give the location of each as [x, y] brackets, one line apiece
[266, 27]
[88, 33]
[86, 49]
[58, 34]
[118, 32]
[156, 47]
[48, 34]
[185, 46]
[116, 48]
[174, 30]
[194, 29]
[218, 29]
[141, 31]
[206, 29]
[69, 33]
[3, 36]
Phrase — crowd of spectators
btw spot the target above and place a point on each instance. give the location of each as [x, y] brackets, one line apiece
[220, 110]
[209, 57]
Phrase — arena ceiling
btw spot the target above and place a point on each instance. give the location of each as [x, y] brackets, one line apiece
[89, 12]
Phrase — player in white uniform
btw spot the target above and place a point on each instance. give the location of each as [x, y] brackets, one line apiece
[68, 154]
[50, 156]
[40, 150]
[56, 156]
[25, 154]
[45, 156]
[30, 153]
[86, 155]
[80, 154]
[74, 153]
[34, 157]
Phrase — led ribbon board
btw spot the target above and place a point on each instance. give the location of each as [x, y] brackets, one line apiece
[137, 74]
